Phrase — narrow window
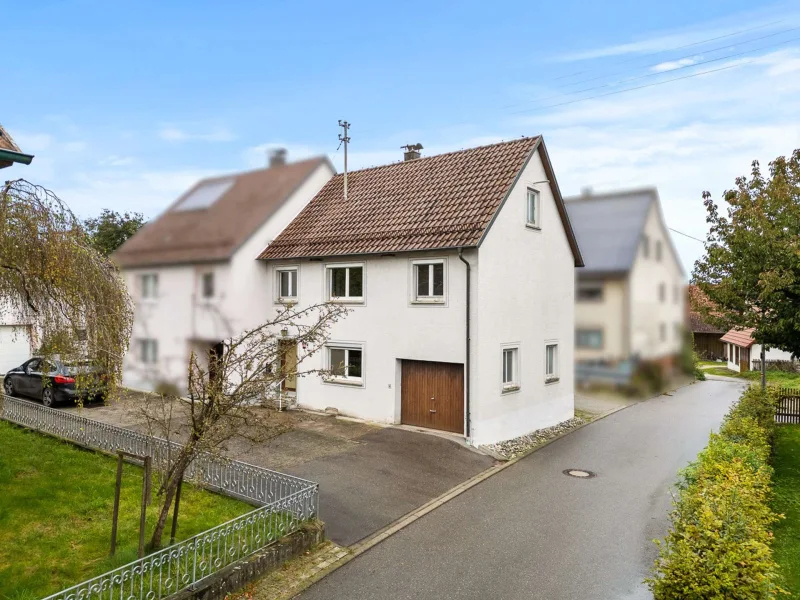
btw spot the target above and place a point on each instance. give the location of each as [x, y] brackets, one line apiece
[645, 246]
[658, 250]
[675, 294]
[148, 351]
[510, 368]
[345, 364]
[149, 285]
[551, 362]
[346, 283]
[589, 338]
[207, 282]
[287, 284]
[532, 208]
[429, 281]
[662, 292]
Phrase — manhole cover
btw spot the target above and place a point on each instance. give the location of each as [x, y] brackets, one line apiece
[580, 473]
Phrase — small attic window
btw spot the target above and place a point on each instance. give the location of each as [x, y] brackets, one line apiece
[205, 195]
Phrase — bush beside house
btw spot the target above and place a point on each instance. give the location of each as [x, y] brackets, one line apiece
[720, 542]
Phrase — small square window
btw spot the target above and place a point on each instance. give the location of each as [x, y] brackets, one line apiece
[346, 283]
[429, 281]
[589, 338]
[207, 284]
[148, 351]
[510, 369]
[550, 362]
[148, 284]
[532, 208]
[345, 364]
[287, 284]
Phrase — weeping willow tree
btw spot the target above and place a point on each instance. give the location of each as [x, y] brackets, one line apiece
[51, 277]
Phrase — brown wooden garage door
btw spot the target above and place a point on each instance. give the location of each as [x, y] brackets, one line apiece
[432, 395]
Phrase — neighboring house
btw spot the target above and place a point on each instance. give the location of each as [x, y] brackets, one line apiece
[629, 296]
[459, 270]
[707, 337]
[193, 271]
[16, 335]
[741, 350]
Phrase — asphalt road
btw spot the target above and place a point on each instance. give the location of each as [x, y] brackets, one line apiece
[532, 532]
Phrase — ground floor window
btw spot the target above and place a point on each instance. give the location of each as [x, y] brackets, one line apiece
[345, 364]
[148, 351]
[551, 362]
[510, 369]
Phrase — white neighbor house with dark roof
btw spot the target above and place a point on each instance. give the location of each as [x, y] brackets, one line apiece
[460, 273]
[630, 300]
[193, 271]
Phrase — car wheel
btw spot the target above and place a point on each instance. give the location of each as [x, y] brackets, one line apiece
[9, 387]
[47, 398]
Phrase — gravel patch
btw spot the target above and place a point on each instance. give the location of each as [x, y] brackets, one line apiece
[511, 448]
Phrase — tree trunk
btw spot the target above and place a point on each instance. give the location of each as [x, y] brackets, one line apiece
[170, 487]
[763, 367]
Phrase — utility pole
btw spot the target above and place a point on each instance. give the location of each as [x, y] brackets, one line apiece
[344, 139]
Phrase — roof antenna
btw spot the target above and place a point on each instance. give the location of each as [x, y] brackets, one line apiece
[344, 139]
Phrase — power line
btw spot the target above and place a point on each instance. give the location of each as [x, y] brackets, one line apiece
[656, 74]
[687, 235]
[735, 33]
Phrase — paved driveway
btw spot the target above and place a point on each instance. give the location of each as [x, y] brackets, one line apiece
[532, 532]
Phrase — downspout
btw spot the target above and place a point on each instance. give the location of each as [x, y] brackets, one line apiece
[466, 363]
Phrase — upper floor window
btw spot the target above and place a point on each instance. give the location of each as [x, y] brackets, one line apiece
[429, 281]
[532, 209]
[589, 338]
[287, 284]
[207, 285]
[590, 292]
[658, 250]
[148, 351]
[645, 246]
[148, 284]
[346, 282]
[662, 292]
[510, 369]
[550, 362]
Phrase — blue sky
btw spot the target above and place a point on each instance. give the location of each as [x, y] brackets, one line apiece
[125, 104]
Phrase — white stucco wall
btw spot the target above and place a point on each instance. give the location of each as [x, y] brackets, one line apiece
[526, 297]
[648, 312]
[388, 326]
[180, 314]
[608, 315]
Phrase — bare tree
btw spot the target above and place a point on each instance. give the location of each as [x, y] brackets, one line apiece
[225, 387]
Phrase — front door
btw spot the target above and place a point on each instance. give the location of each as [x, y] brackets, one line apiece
[289, 366]
[432, 395]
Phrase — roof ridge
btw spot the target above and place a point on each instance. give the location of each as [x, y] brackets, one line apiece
[612, 195]
[424, 158]
[319, 158]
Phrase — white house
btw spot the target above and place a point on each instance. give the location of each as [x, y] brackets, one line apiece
[741, 350]
[630, 299]
[193, 271]
[460, 270]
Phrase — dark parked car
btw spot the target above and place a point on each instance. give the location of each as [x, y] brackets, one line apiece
[52, 381]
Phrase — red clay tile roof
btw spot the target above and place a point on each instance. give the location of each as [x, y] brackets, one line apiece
[7, 142]
[739, 337]
[442, 201]
[214, 233]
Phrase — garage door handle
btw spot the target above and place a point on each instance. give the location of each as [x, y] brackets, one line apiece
[432, 410]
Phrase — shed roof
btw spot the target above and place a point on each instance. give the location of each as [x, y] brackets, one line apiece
[212, 231]
[739, 337]
[442, 201]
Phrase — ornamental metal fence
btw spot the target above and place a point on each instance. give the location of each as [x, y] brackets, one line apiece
[286, 502]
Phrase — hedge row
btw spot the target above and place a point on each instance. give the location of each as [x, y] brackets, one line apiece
[720, 541]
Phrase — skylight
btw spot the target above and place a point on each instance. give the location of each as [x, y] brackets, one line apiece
[205, 195]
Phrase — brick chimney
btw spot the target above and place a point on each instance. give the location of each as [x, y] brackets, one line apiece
[277, 157]
[411, 151]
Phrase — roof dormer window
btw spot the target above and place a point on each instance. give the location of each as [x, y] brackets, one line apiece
[205, 194]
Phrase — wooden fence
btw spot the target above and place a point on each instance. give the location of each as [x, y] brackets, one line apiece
[788, 410]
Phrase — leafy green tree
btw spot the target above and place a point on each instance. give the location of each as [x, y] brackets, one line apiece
[751, 269]
[111, 229]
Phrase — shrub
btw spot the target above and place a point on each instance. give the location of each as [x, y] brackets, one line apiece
[648, 378]
[720, 543]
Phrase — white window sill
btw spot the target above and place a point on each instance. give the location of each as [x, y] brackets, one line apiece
[352, 382]
[437, 300]
[353, 300]
[287, 300]
[511, 388]
[533, 226]
[550, 380]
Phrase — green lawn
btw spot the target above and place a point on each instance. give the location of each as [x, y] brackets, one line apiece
[787, 502]
[788, 380]
[56, 502]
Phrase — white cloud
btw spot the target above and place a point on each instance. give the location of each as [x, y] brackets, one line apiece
[117, 161]
[175, 134]
[671, 65]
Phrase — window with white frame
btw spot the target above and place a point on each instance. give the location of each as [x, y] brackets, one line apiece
[148, 285]
[510, 368]
[429, 281]
[287, 284]
[589, 338]
[148, 351]
[346, 282]
[207, 285]
[345, 364]
[551, 361]
[532, 208]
